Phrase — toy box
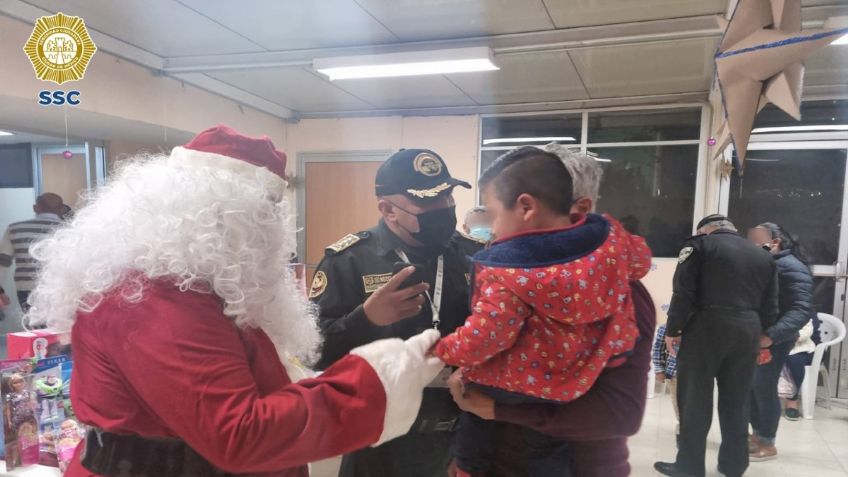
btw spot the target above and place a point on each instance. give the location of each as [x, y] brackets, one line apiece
[34, 344]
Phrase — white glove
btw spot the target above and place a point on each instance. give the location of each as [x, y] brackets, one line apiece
[404, 369]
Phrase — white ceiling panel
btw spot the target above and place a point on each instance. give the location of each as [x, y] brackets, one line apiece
[524, 78]
[294, 88]
[289, 25]
[163, 27]
[414, 20]
[827, 66]
[406, 92]
[647, 68]
[569, 14]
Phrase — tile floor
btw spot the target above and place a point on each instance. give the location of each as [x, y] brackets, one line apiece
[808, 448]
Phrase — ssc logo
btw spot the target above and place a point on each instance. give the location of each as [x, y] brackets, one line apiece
[59, 48]
[427, 164]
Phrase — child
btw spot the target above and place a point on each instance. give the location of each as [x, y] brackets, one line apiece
[665, 367]
[551, 303]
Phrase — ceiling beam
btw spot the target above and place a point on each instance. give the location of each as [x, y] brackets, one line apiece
[677, 98]
[27, 13]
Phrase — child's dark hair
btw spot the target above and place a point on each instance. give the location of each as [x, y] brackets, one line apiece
[530, 170]
[787, 241]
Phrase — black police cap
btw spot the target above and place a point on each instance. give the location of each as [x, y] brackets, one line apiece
[419, 174]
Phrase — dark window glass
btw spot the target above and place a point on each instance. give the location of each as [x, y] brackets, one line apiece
[813, 113]
[487, 158]
[801, 190]
[16, 166]
[652, 191]
[496, 130]
[644, 125]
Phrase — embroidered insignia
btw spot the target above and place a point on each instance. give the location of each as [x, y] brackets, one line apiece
[374, 282]
[344, 243]
[319, 285]
[427, 164]
[429, 193]
[684, 254]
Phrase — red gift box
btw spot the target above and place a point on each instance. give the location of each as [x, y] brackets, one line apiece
[32, 344]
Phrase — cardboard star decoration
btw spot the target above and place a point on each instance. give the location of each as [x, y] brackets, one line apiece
[759, 61]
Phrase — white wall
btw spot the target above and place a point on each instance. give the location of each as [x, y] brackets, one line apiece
[16, 206]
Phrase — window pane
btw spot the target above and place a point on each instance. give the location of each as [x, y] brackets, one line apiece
[813, 113]
[16, 164]
[652, 191]
[487, 158]
[498, 131]
[645, 125]
[801, 190]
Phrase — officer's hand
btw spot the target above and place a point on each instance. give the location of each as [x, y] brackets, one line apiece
[470, 399]
[671, 344]
[660, 377]
[391, 304]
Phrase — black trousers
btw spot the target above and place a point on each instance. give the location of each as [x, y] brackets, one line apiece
[23, 296]
[412, 455]
[717, 346]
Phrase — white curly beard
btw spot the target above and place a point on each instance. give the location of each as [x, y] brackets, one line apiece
[205, 226]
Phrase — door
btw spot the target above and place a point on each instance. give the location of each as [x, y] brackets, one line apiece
[337, 199]
[801, 186]
[73, 176]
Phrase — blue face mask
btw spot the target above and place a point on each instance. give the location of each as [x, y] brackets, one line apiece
[481, 233]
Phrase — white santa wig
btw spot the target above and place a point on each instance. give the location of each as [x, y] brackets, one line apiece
[208, 227]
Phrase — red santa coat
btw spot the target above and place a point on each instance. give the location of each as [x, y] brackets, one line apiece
[175, 366]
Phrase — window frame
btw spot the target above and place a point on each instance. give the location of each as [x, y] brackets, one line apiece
[701, 175]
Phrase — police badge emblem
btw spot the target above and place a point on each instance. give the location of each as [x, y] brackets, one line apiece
[684, 254]
[427, 164]
[59, 48]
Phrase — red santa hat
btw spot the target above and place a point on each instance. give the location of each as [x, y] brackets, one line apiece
[225, 148]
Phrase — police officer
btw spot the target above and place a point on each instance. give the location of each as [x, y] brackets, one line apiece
[360, 301]
[476, 230]
[725, 296]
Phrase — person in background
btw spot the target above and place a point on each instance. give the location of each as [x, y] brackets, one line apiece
[476, 230]
[4, 302]
[725, 297]
[359, 303]
[796, 310]
[19, 237]
[665, 367]
[799, 358]
[597, 425]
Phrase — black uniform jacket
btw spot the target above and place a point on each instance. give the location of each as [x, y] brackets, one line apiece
[726, 273]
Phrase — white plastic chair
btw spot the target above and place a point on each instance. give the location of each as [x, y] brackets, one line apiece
[832, 332]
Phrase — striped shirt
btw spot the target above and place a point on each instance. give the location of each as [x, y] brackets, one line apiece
[16, 243]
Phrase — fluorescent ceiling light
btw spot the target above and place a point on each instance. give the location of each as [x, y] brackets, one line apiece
[842, 40]
[6, 133]
[412, 63]
[821, 127]
[503, 140]
[598, 159]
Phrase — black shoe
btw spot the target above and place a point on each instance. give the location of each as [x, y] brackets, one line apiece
[792, 414]
[670, 469]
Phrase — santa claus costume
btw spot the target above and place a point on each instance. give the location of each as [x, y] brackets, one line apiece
[174, 283]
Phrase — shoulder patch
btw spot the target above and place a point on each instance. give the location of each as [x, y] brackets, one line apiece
[346, 242]
[319, 284]
[685, 254]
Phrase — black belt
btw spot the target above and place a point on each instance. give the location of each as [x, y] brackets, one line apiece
[726, 308]
[115, 455]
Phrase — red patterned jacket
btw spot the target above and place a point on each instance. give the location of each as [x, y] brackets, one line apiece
[551, 309]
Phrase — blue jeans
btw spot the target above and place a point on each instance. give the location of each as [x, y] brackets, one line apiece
[476, 440]
[796, 364]
[765, 403]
